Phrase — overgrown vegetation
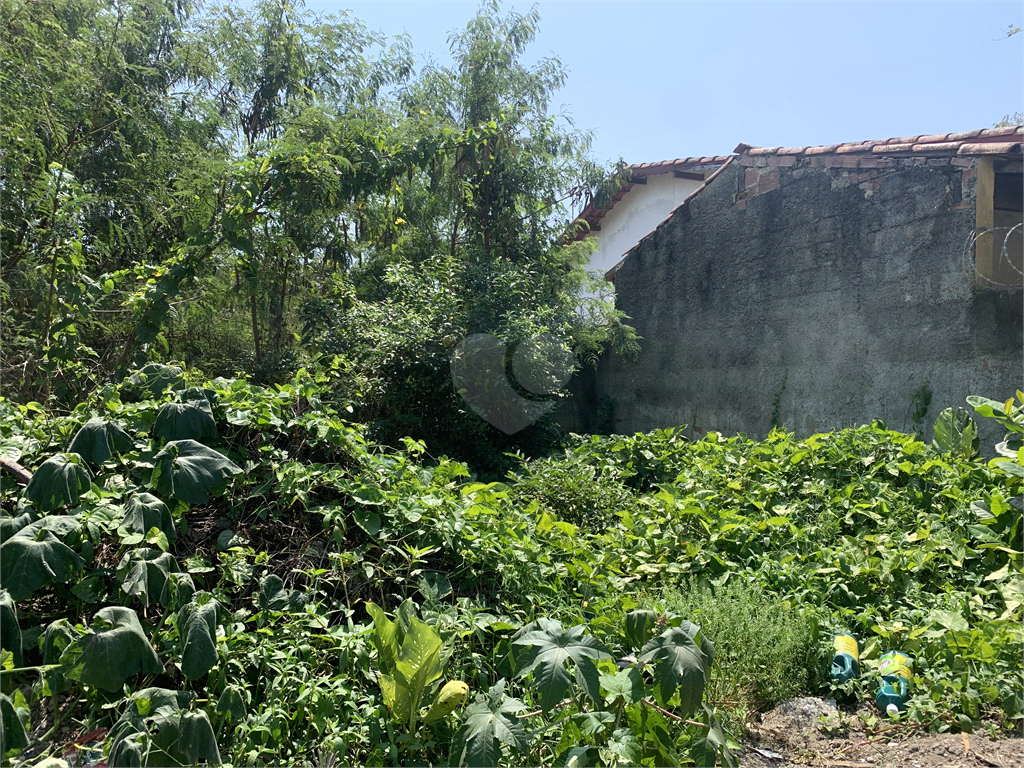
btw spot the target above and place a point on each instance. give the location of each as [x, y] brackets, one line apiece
[205, 586]
[300, 546]
[246, 190]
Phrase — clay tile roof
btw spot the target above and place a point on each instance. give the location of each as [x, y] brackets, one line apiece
[862, 146]
[938, 146]
[983, 141]
[907, 147]
[963, 135]
[593, 214]
[988, 141]
[991, 148]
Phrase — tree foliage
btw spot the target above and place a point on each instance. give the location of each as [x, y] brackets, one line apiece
[250, 188]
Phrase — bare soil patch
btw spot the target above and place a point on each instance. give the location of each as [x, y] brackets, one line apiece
[813, 732]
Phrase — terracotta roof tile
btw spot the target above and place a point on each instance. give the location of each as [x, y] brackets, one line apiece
[938, 146]
[863, 146]
[892, 148]
[986, 141]
[610, 275]
[592, 214]
[963, 135]
[990, 148]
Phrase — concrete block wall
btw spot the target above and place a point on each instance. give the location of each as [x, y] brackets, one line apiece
[818, 292]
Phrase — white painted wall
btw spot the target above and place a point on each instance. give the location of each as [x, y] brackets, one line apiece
[642, 209]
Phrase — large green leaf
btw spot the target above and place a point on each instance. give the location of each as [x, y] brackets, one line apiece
[182, 589]
[987, 407]
[190, 472]
[59, 481]
[157, 729]
[158, 704]
[593, 723]
[154, 379]
[182, 739]
[11, 525]
[143, 513]
[231, 703]
[12, 730]
[680, 663]
[714, 746]
[10, 631]
[14, 447]
[955, 432]
[195, 742]
[418, 665]
[67, 528]
[624, 748]
[640, 625]
[548, 646]
[192, 420]
[490, 722]
[272, 595]
[129, 746]
[385, 638]
[99, 439]
[145, 574]
[627, 683]
[34, 558]
[409, 660]
[197, 628]
[57, 637]
[197, 393]
[114, 649]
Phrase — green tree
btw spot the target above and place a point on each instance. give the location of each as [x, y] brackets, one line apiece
[480, 247]
[99, 132]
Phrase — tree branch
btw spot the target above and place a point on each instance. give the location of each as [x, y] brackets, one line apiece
[21, 474]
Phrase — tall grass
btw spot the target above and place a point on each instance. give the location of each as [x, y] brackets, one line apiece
[765, 650]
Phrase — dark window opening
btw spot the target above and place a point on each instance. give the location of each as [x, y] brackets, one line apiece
[999, 248]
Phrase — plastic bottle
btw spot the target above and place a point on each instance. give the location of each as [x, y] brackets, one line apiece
[846, 662]
[896, 671]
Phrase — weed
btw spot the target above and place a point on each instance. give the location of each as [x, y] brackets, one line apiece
[920, 399]
[776, 412]
[765, 649]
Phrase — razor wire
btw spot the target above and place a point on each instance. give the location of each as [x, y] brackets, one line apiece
[970, 253]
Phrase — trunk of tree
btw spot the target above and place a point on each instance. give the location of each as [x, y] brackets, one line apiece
[255, 329]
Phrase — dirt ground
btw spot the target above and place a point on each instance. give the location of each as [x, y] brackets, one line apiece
[795, 733]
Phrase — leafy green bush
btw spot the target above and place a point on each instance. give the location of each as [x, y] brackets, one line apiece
[574, 490]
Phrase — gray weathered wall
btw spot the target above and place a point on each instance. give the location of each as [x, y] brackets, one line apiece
[849, 285]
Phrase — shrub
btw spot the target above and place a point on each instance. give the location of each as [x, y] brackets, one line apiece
[576, 491]
[766, 651]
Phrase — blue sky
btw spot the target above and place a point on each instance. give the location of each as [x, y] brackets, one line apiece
[659, 80]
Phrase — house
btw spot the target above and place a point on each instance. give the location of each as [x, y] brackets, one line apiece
[823, 287]
[653, 191]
